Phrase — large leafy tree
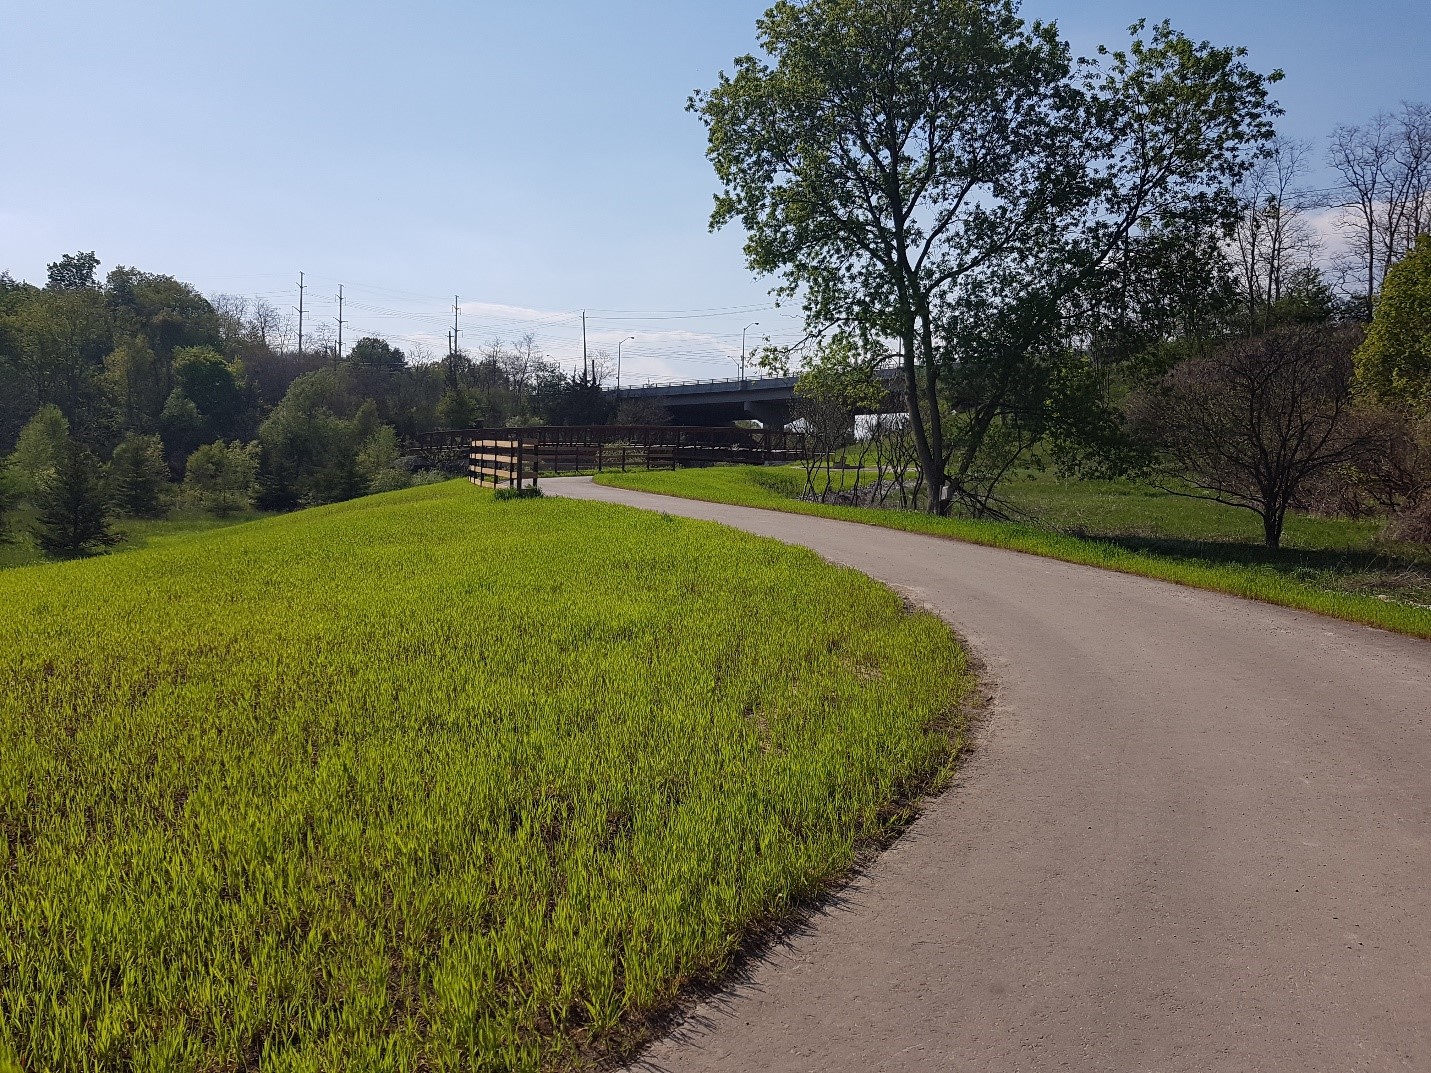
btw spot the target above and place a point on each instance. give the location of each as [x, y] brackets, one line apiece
[946, 176]
[1395, 361]
[64, 335]
[73, 272]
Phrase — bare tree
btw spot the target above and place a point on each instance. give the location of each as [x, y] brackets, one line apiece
[233, 313]
[1386, 168]
[519, 364]
[1273, 245]
[272, 328]
[828, 423]
[1247, 425]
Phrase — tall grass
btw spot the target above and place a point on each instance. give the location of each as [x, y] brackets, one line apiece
[1279, 578]
[424, 781]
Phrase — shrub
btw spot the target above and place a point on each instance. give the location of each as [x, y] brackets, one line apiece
[222, 478]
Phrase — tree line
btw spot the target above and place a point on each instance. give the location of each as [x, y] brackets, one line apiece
[1107, 262]
[135, 394]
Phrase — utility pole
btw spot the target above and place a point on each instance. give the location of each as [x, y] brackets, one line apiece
[300, 314]
[340, 327]
[583, 345]
[454, 324]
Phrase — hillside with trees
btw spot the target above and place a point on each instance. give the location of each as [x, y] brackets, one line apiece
[134, 393]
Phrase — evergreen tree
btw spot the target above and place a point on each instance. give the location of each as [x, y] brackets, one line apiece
[73, 506]
[137, 476]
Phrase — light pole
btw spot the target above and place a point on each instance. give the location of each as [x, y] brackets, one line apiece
[628, 339]
[752, 324]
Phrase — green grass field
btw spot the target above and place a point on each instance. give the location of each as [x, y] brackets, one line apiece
[428, 782]
[1333, 566]
[133, 533]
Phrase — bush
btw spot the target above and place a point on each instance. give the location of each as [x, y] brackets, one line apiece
[529, 492]
[222, 478]
[1413, 525]
[378, 461]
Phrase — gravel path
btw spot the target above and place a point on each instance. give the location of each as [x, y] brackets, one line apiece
[1195, 836]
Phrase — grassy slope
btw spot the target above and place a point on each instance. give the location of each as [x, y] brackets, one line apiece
[428, 781]
[1188, 547]
[21, 550]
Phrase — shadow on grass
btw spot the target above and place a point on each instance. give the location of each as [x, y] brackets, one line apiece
[1295, 561]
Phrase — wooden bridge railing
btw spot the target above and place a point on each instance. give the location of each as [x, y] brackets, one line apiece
[516, 457]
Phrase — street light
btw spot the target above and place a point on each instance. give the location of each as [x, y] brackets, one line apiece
[628, 339]
[752, 324]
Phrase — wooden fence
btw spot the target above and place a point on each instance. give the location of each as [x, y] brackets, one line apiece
[516, 457]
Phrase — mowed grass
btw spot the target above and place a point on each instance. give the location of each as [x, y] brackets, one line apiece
[429, 782]
[1332, 566]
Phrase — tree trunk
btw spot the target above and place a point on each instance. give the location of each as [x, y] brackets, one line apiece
[1272, 521]
[938, 479]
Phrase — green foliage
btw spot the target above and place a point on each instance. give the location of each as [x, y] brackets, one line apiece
[573, 400]
[135, 380]
[166, 312]
[531, 491]
[73, 272]
[941, 174]
[9, 496]
[138, 476]
[181, 427]
[222, 478]
[377, 353]
[1394, 363]
[1253, 422]
[215, 387]
[38, 450]
[602, 749]
[843, 373]
[147, 353]
[378, 461]
[63, 337]
[309, 454]
[459, 408]
[72, 505]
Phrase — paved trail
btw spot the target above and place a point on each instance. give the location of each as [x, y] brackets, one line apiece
[1196, 837]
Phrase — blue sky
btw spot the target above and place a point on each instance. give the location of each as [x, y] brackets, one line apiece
[535, 159]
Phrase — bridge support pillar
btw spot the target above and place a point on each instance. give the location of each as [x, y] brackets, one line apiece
[771, 414]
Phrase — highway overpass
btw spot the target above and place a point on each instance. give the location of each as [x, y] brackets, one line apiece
[767, 399]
